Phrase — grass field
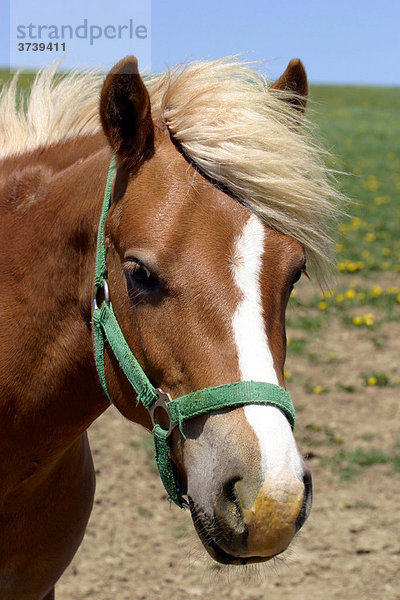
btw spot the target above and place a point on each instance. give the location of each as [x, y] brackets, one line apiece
[361, 127]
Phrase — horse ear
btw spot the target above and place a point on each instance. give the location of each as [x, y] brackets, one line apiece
[125, 113]
[294, 79]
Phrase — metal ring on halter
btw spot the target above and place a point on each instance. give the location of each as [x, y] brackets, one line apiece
[162, 402]
[105, 288]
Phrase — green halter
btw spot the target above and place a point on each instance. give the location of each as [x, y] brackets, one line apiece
[107, 329]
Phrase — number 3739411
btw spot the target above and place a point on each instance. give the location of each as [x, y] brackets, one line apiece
[41, 46]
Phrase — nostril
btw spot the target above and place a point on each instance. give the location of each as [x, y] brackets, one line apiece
[307, 500]
[227, 507]
[229, 490]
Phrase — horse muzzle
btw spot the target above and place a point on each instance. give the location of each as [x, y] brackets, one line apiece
[237, 535]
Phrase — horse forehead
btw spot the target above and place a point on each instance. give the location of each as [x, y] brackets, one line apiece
[187, 212]
[184, 205]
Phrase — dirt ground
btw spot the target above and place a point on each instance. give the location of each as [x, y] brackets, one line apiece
[138, 547]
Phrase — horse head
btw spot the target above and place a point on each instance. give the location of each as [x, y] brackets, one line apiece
[199, 282]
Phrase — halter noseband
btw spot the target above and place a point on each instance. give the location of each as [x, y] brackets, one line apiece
[107, 329]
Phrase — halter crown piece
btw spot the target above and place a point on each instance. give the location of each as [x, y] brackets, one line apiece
[107, 329]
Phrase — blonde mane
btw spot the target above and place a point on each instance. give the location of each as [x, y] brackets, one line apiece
[56, 108]
[229, 124]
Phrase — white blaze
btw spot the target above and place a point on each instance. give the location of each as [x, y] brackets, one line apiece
[279, 456]
[255, 358]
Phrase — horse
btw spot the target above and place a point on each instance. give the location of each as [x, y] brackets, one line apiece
[218, 196]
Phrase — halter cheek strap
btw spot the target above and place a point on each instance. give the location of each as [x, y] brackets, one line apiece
[107, 330]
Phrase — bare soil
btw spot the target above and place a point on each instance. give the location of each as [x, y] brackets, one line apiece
[138, 547]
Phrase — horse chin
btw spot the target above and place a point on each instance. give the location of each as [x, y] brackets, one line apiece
[207, 531]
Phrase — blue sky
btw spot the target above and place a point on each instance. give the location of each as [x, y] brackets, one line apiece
[352, 41]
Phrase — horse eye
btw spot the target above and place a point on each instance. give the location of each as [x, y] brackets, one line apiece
[140, 272]
[297, 276]
[139, 275]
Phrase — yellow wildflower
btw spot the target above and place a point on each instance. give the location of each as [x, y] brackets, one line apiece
[339, 298]
[322, 305]
[376, 291]
[369, 319]
[318, 389]
[379, 200]
[372, 183]
[357, 320]
[327, 294]
[372, 381]
[355, 266]
[370, 237]
[287, 374]
[386, 251]
[350, 294]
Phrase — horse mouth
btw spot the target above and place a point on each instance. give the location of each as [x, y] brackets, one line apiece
[213, 548]
[224, 558]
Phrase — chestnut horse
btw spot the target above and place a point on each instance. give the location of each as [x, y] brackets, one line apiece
[219, 195]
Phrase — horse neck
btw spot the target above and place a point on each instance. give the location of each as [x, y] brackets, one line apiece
[49, 266]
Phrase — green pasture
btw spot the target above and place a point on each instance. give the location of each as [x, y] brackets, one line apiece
[361, 127]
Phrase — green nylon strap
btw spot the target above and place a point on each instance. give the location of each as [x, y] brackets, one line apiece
[107, 329]
[101, 269]
[105, 323]
[98, 338]
[163, 457]
[229, 395]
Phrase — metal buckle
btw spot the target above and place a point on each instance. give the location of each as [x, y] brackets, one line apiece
[106, 290]
[162, 402]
